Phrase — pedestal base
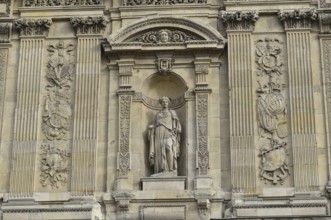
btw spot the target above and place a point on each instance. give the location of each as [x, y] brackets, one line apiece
[164, 183]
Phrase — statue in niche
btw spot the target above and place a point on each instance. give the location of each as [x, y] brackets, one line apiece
[164, 137]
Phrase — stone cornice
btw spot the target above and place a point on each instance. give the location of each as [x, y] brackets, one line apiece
[89, 25]
[32, 27]
[239, 20]
[55, 3]
[129, 3]
[297, 19]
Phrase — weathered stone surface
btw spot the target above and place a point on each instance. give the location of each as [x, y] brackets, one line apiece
[249, 108]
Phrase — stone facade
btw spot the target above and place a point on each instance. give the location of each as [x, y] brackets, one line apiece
[244, 133]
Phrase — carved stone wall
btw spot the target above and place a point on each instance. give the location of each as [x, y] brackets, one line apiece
[249, 82]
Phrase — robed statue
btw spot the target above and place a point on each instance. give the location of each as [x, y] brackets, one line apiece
[164, 137]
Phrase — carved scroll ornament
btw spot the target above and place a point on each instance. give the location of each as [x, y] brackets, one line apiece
[57, 112]
[165, 36]
[54, 166]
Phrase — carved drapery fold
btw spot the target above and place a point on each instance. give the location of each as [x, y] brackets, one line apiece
[161, 2]
[239, 20]
[89, 25]
[31, 27]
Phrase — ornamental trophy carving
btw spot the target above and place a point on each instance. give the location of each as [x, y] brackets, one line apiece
[271, 112]
[164, 137]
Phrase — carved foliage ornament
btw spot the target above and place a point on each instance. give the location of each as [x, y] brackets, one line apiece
[124, 151]
[43, 3]
[57, 112]
[30, 27]
[89, 25]
[161, 2]
[4, 33]
[202, 128]
[271, 112]
[54, 166]
[297, 18]
[165, 36]
[239, 20]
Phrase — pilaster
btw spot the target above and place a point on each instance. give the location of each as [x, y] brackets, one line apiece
[297, 25]
[325, 45]
[85, 129]
[240, 25]
[27, 112]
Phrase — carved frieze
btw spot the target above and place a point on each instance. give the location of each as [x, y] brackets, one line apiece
[57, 111]
[165, 36]
[54, 166]
[31, 27]
[202, 132]
[161, 2]
[294, 19]
[89, 25]
[124, 148]
[50, 3]
[271, 111]
[239, 20]
[4, 33]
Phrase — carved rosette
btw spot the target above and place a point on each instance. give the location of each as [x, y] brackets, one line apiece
[239, 20]
[124, 144]
[32, 27]
[4, 33]
[59, 75]
[161, 2]
[54, 166]
[202, 132]
[50, 3]
[294, 19]
[271, 112]
[89, 25]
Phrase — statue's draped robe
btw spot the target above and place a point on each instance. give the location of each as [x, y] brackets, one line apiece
[165, 138]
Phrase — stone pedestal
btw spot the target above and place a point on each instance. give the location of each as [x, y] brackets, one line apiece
[164, 183]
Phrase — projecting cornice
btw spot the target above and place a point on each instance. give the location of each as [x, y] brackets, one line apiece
[165, 33]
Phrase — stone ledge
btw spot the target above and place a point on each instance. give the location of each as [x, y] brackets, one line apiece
[163, 183]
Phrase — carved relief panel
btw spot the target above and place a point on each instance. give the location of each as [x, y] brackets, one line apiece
[271, 111]
[57, 115]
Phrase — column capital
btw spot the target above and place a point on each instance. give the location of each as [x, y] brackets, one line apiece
[33, 27]
[298, 18]
[239, 20]
[88, 25]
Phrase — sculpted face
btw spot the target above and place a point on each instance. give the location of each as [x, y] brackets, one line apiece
[164, 102]
[164, 37]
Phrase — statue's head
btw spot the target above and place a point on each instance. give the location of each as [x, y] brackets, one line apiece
[164, 101]
[164, 35]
